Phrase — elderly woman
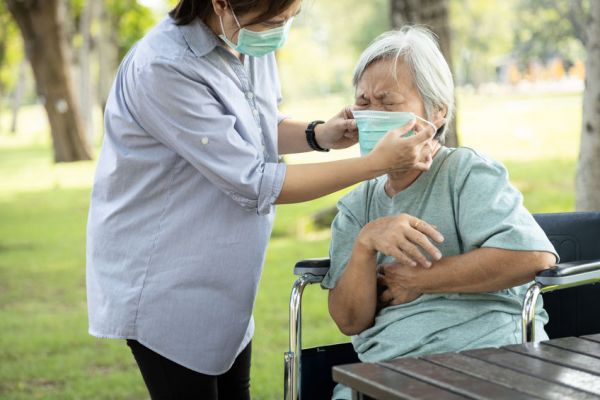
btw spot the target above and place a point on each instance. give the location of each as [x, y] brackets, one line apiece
[454, 245]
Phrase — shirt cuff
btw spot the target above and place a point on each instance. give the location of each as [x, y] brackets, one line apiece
[281, 117]
[270, 186]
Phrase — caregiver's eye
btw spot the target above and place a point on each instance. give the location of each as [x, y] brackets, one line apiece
[269, 24]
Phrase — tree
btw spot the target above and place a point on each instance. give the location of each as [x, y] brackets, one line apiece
[541, 30]
[41, 25]
[11, 54]
[434, 15]
[482, 35]
[121, 24]
[587, 181]
[85, 89]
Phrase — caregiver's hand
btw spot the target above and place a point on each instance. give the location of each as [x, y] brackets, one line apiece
[400, 154]
[339, 132]
[403, 237]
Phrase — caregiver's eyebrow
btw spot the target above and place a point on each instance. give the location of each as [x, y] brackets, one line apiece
[282, 20]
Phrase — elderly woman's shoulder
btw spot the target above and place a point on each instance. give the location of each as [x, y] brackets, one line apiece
[467, 156]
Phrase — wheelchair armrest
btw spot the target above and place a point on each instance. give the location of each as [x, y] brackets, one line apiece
[313, 266]
[570, 273]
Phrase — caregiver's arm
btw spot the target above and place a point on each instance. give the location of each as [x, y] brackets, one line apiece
[305, 182]
[353, 300]
[482, 270]
[337, 133]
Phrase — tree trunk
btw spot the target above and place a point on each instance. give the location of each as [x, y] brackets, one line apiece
[107, 54]
[18, 96]
[434, 15]
[40, 23]
[587, 182]
[85, 95]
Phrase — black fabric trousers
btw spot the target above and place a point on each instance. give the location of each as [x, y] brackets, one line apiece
[167, 380]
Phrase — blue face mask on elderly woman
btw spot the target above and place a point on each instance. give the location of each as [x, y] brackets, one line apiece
[257, 44]
[373, 125]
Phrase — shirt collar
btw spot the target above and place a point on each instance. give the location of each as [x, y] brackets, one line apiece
[199, 37]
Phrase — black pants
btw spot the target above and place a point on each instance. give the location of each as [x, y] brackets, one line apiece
[168, 380]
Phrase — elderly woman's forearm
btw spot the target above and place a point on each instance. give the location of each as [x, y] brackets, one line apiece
[481, 270]
[353, 301]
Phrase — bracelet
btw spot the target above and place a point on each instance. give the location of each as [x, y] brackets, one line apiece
[310, 136]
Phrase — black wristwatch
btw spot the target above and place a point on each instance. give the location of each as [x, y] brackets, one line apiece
[310, 136]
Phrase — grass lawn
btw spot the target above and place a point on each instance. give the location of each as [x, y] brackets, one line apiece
[45, 351]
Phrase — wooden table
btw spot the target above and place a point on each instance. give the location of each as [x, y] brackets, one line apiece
[566, 368]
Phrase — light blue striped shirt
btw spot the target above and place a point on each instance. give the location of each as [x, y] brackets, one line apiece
[182, 204]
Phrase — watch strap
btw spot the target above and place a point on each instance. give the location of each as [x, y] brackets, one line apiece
[310, 136]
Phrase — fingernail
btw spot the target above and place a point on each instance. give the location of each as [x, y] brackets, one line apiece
[413, 264]
[427, 264]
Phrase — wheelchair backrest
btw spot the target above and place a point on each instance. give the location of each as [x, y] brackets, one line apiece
[575, 236]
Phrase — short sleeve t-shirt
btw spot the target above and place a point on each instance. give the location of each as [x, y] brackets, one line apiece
[469, 199]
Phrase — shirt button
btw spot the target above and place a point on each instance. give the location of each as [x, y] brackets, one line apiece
[204, 140]
[255, 111]
[249, 95]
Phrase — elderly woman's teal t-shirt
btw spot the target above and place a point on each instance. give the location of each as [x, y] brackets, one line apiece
[469, 199]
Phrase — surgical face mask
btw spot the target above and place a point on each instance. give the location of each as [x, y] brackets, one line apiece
[257, 44]
[373, 125]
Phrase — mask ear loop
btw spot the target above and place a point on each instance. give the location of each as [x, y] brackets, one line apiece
[234, 17]
[427, 122]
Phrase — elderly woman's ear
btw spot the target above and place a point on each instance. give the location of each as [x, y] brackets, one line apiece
[440, 114]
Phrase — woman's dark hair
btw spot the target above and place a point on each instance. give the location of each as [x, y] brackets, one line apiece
[186, 11]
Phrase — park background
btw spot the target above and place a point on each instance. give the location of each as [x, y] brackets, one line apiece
[519, 66]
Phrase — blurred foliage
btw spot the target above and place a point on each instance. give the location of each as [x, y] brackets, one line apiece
[328, 37]
[325, 43]
[482, 33]
[131, 20]
[11, 51]
[543, 30]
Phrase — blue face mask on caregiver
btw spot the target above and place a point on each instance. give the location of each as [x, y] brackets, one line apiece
[257, 44]
[373, 125]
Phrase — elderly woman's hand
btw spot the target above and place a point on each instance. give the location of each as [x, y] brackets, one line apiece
[402, 237]
[392, 287]
[339, 132]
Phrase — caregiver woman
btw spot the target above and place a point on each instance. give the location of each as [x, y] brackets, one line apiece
[183, 199]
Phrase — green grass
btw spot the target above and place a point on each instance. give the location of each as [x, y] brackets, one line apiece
[45, 351]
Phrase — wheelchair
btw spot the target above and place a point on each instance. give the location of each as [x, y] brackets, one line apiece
[570, 299]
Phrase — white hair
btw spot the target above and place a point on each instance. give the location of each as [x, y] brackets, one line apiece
[417, 47]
